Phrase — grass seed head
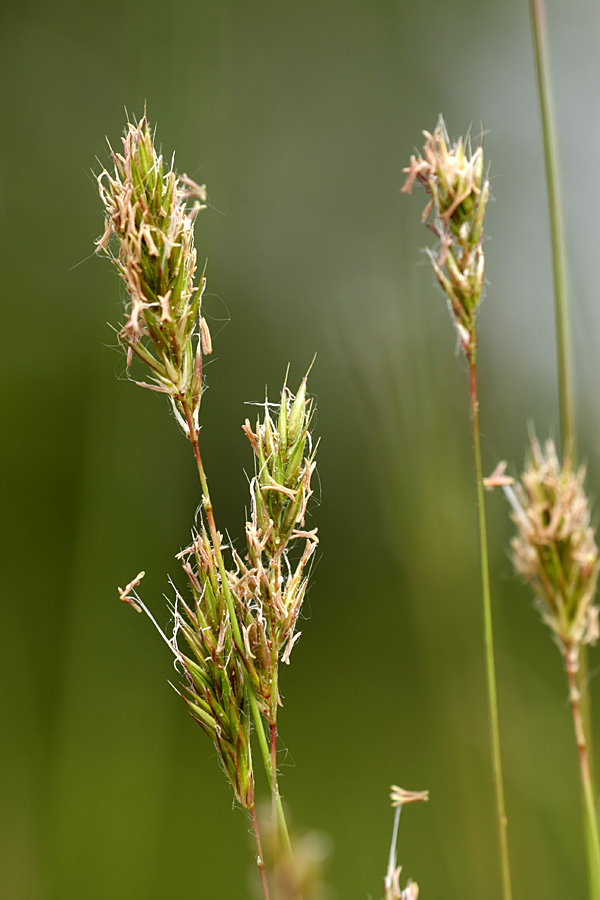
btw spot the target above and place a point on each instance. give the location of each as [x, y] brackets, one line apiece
[454, 178]
[269, 586]
[554, 549]
[149, 236]
[285, 463]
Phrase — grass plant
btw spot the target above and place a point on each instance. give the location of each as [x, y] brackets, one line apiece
[555, 548]
[454, 178]
[239, 619]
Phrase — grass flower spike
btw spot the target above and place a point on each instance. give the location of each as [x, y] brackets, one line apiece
[453, 175]
[269, 589]
[555, 549]
[150, 218]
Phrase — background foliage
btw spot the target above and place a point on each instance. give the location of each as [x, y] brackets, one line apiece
[299, 117]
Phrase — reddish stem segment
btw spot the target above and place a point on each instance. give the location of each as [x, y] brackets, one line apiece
[571, 657]
[572, 666]
[274, 785]
[260, 859]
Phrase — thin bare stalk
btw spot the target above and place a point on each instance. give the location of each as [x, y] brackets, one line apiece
[559, 255]
[260, 858]
[571, 665]
[391, 869]
[258, 722]
[489, 641]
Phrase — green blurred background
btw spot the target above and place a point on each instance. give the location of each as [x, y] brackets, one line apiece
[299, 117]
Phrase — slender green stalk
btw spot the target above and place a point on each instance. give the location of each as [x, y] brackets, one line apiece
[489, 641]
[258, 722]
[559, 256]
[271, 770]
[564, 354]
[571, 666]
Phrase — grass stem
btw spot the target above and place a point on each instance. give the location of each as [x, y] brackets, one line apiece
[260, 858]
[571, 666]
[489, 642]
[557, 234]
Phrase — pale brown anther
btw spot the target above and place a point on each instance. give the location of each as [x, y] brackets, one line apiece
[400, 797]
[205, 337]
